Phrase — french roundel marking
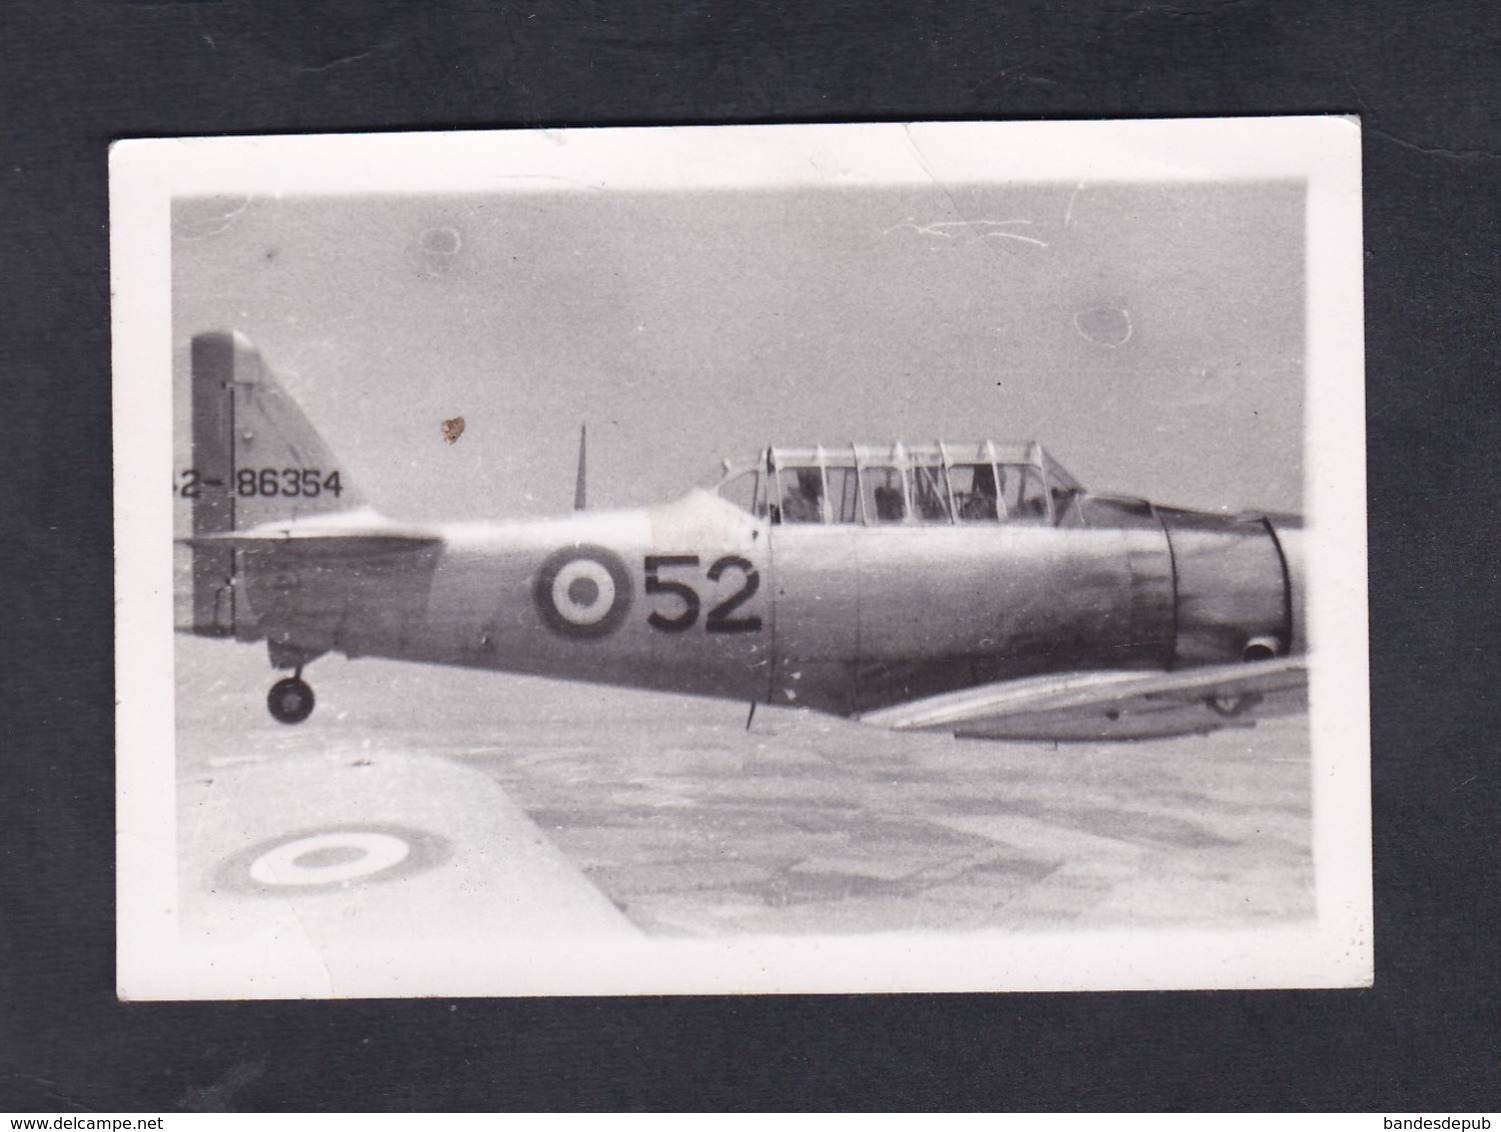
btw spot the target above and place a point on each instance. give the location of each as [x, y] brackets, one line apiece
[328, 858]
[583, 591]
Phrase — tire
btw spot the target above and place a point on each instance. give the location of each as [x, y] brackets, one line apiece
[290, 700]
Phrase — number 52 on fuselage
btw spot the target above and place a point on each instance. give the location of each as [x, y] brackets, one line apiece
[969, 587]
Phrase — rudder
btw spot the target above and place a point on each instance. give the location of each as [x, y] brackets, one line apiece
[259, 458]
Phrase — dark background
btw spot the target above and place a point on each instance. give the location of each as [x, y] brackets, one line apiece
[1426, 78]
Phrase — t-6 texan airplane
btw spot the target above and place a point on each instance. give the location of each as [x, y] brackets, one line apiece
[969, 587]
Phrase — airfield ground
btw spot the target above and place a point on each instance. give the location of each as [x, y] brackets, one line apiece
[693, 826]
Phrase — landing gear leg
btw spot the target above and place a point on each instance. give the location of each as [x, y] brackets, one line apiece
[290, 700]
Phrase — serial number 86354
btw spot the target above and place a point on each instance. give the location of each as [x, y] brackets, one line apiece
[306, 482]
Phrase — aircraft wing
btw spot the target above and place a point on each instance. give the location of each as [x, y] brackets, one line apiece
[364, 872]
[1110, 705]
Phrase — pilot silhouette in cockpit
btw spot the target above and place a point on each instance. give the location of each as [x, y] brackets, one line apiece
[804, 503]
[890, 506]
[980, 503]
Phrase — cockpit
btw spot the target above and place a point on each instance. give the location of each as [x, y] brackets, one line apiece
[905, 484]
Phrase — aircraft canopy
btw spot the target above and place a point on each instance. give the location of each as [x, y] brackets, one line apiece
[875, 484]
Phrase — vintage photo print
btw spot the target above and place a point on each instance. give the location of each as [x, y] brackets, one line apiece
[834, 558]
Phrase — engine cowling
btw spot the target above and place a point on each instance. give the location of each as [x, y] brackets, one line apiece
[1237, 584]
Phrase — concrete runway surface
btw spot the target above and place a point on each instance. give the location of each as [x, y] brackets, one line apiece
[522, 801]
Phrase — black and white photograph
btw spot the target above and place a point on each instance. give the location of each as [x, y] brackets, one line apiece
[764, 559]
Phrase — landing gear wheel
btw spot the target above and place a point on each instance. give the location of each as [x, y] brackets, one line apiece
[290, 700]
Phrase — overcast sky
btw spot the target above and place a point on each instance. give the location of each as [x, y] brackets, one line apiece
[1151, 336]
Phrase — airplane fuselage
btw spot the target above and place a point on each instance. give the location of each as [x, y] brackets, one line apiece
[699, 596]
[853, 579]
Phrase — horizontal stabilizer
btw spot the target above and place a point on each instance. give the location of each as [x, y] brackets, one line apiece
[348, 547]
[351, 533]
[1110, 705]
[305, 572]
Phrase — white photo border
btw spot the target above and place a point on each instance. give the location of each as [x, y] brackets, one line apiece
[1334, 949]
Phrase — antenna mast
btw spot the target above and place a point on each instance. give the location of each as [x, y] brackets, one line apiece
[578, 487]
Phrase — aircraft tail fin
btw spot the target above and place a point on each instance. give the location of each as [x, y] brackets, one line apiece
[256, 460]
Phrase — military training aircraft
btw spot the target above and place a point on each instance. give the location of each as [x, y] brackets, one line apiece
[972, 587]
